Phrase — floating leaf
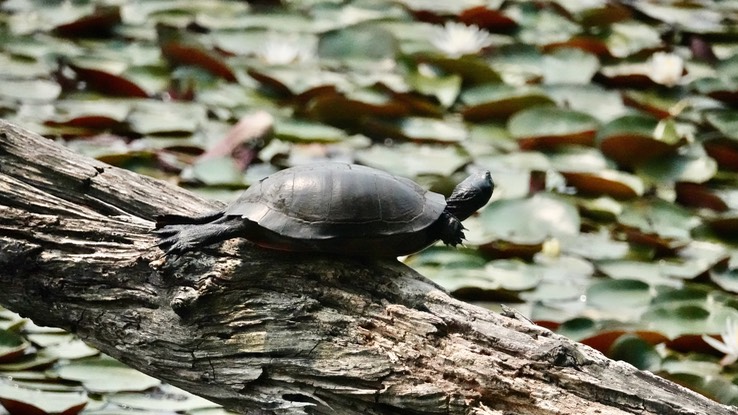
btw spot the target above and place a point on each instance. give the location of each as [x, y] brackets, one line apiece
[676, 320]
[724, 152]
[495, 101]
[515, 275]
[647, 272]
[531, 220]
[105, 375]
[412, 160]
[12, 346]
[547, 126]
[30, 90]
[569, 66]
[634, 139]
[165, 398]
[306, 131]
[23, 401]
[613, 183]
[108, 83]
[157, 117]
[473, 70]
[619, 294]
[487, 18]
[603, 104]
[445, 88]
[661, 218]
[216, 171]
[636, 351]
[694, 166]
[100, 23]
[628, 38]
[360, 44]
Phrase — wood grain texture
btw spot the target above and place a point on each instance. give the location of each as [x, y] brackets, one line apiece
[266, 332]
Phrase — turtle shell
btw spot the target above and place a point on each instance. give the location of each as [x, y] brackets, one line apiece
[338, 201]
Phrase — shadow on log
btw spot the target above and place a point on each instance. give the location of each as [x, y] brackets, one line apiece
[265, 332]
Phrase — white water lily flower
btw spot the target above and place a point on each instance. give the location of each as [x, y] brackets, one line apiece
[666, 68]
[457, 39]
[729, 345]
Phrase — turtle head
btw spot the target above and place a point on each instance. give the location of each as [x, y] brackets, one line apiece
[470, 195]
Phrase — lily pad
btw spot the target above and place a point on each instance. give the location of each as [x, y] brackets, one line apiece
[622, 294]
[101, 375]
[412, 160]
[569, 66]
[635, 139]
[497, 101]
[547, 126]
[12, 346]
[613, 183]
[676, 320]
[22, 401]
[636, 351]
[165, 398]
[359, 44]
[530, 220]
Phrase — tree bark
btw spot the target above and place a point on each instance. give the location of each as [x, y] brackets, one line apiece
[270, 332]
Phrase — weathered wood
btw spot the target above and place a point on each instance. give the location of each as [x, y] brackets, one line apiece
[268, 332]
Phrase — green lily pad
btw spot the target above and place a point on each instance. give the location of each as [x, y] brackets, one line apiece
[569, 66]
[548, 126]
[157, 117]
[659, 217]
[647, 272]
[12, 346]
[676, 320]
[38, 90]
[428, 129]
[445, 88]
[635, 139]
[306, 131]
[165, 398]
[636, 351]
[601, 103]
[102, 375]
[630, 37]
[498, 101]
[694, 167]
[22, 401]
[725, 121]
[578, 328]
[412, 160]
[515, 275]
[360, 44]
[530, 220]
[620, 294]
[577, 159]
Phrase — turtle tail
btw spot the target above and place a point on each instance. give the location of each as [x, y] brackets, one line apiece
[181, 234]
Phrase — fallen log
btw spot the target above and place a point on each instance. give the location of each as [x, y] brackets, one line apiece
[265, 332]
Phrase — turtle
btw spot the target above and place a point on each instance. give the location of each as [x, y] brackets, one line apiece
[334, 208]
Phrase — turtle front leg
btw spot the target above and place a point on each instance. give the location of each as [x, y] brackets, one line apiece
[177, 239]
[450, 229]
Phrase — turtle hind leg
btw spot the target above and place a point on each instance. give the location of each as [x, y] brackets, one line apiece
[450, 229]
[171, 219]
[178, 239]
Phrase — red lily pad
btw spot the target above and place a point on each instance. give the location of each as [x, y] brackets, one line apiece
[613, 183]
[490, 19]
[108, 83]
[100, 23]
